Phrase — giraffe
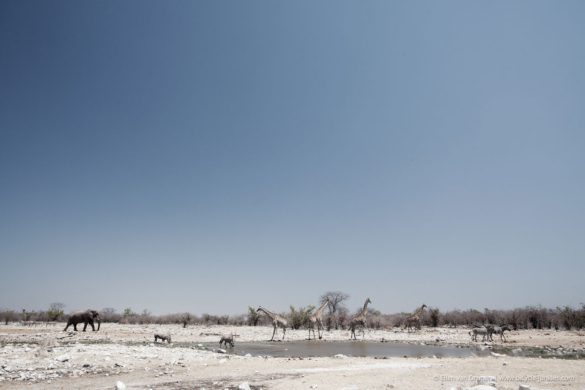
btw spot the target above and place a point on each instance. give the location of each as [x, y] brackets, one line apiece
[277, 321]
[359, 320]
[316, 320]
[413, 321]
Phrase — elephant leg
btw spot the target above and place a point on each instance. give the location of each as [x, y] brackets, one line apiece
[273, 332]
[75, 326]
[68, 325]
[84, 326]
[283, 332]
[92, 327]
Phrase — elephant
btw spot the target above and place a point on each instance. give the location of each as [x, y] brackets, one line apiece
[87, 317]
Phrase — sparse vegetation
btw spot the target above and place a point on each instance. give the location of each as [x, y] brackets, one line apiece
[55, 312]
[530, 317]
[337, 312]
[186, 319]
[253, 316]
[434, 314]
[301, 317]
[8, 316]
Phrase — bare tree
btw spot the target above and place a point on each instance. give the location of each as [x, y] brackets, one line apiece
[186, 319]
[435, 316]
[336, 299]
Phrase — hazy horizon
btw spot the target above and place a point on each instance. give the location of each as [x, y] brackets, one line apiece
[209, 156]
[351, 308]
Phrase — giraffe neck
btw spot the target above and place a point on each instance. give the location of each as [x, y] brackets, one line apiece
[268, 313]
[320, 309]
[365, 308]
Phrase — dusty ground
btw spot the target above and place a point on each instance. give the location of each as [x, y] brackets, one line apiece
[45, 357]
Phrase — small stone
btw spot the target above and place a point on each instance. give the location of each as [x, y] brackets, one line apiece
[120, 385]
[244, 386]
[523, 387]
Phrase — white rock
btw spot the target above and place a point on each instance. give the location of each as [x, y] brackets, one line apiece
[62, 358]
[244, 386]
[120, 385]
[340, 356]
[523, 387]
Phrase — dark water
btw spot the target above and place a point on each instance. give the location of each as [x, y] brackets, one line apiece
[356, 349]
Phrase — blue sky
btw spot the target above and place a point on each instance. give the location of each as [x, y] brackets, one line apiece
[207, 156]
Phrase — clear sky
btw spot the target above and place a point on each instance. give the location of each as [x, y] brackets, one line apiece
[209, 155]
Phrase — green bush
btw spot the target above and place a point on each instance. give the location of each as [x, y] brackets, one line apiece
[300, 317]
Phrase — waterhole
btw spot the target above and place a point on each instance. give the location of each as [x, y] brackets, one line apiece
[355, 349]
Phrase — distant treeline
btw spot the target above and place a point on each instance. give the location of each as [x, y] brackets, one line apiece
[530, 317]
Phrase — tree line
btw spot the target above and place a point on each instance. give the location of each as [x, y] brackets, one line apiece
[336, 316]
